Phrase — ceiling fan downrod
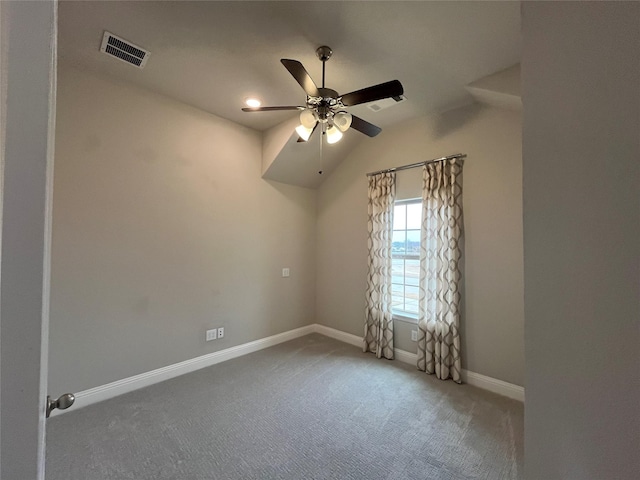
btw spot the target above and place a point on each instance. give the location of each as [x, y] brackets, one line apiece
[324, 53]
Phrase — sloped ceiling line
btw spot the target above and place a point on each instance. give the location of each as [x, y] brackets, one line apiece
[287, 161]
[214, 54]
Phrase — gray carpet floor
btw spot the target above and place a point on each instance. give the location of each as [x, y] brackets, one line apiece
[311, 408]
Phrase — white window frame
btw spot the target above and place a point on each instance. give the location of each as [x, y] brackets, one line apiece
[398, 314]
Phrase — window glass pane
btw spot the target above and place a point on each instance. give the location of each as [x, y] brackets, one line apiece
[397, 271]
[412, 265]
[399, 217]
[406, 243]
[397, 302]
[411, 306]
[414, 215]
[398, 241]
[413, 242]
[411, 294]
[412, 274]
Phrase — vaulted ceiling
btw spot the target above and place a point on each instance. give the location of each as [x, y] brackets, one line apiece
[213, 54]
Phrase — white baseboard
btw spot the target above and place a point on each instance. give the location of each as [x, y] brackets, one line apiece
[405, 357]
[510, 390]
[402, 355]
[338, 335]
[126, 385]
[494, 385]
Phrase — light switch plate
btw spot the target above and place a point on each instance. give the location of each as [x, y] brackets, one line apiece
[285, 272]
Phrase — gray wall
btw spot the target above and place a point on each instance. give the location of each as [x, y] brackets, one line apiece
[493, 323]
[163, 228]
[581, 96]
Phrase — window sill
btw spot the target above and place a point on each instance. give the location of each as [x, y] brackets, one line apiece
[405, 318]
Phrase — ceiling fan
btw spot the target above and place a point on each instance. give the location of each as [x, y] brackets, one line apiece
[325, 107]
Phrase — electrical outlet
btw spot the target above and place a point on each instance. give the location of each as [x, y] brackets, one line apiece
[212, 334]
[414, 335]
[220, 332]
[285, 272]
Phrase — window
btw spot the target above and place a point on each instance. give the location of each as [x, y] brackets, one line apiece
[405, 257]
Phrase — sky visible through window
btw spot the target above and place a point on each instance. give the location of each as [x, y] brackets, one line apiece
[405, 252]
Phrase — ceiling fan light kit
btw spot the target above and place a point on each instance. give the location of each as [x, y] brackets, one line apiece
[342, 120]
[308, 119]
[325, 107]
[304, 132]
[333, 134]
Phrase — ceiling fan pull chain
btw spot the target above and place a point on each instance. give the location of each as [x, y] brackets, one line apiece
[321, 142]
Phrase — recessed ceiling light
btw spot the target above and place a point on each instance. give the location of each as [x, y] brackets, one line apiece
[252, 102]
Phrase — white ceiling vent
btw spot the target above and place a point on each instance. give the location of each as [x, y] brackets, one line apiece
[123, 50]
[386, 103]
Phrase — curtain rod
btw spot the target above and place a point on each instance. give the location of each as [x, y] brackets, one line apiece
[419, 164]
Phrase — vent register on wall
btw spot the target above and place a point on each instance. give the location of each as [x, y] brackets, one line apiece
[124, 50]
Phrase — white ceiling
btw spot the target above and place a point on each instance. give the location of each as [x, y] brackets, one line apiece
[214, 54]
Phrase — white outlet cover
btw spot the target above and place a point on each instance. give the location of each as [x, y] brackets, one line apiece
[285, 272]
[220, 332]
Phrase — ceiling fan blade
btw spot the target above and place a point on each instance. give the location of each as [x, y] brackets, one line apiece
[270, 109]
[365, 127]
[377, 92]
[302, 77]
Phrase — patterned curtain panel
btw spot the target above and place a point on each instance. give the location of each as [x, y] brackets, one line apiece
[378, 328]
[440, 270]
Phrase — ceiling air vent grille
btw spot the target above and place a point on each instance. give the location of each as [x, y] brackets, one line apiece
[124, 50]
[386, 103]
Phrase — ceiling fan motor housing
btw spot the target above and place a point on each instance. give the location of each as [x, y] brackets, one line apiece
[325, 105]
[324, 112]
[328, 93]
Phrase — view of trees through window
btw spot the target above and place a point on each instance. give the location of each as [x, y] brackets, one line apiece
[405, 254]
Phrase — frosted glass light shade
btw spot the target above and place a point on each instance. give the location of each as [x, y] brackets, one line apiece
[307, 118]
[304, 132]
[342, 120]
[333, 135]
